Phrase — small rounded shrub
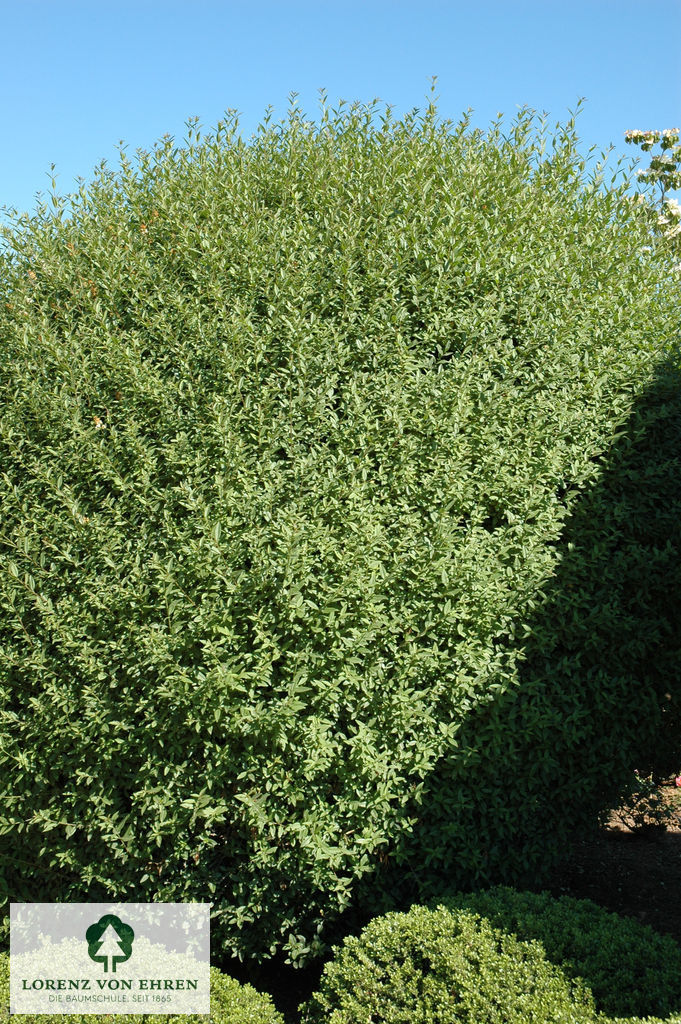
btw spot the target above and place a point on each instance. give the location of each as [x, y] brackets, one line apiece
[630, 968]
[441, 966]
[230, 1003]
[293, 589]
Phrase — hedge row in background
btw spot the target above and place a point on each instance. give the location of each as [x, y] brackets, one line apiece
[290, 433]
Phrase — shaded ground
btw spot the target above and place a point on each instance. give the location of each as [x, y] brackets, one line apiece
[635, 873]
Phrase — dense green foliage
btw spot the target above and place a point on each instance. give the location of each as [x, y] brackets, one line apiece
[291, 434]
[436, 966]
[629, 968]
[477, 959]
[230, 1003]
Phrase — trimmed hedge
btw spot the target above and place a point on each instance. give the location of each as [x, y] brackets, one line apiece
[629, 968]
[496, 956]
[230, 1003]
[440, 966]
[290, 433]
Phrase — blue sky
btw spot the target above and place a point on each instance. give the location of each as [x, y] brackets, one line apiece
[76, 77]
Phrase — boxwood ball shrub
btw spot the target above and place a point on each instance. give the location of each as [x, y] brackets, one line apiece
[446, 966]
[629, 968]
[522, 958]
[230, 1003]
[291, 434]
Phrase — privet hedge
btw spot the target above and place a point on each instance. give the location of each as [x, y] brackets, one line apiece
[290, 433]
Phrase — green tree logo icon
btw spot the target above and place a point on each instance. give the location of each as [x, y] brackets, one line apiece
[109, 941]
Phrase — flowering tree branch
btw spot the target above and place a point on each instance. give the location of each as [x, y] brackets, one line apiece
[664, 171]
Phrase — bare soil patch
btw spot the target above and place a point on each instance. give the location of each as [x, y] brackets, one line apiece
[633, 871]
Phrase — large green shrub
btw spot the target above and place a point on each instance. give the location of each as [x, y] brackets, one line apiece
[438, 966]
[629, 968]
[230, 1003]
[289, 435]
